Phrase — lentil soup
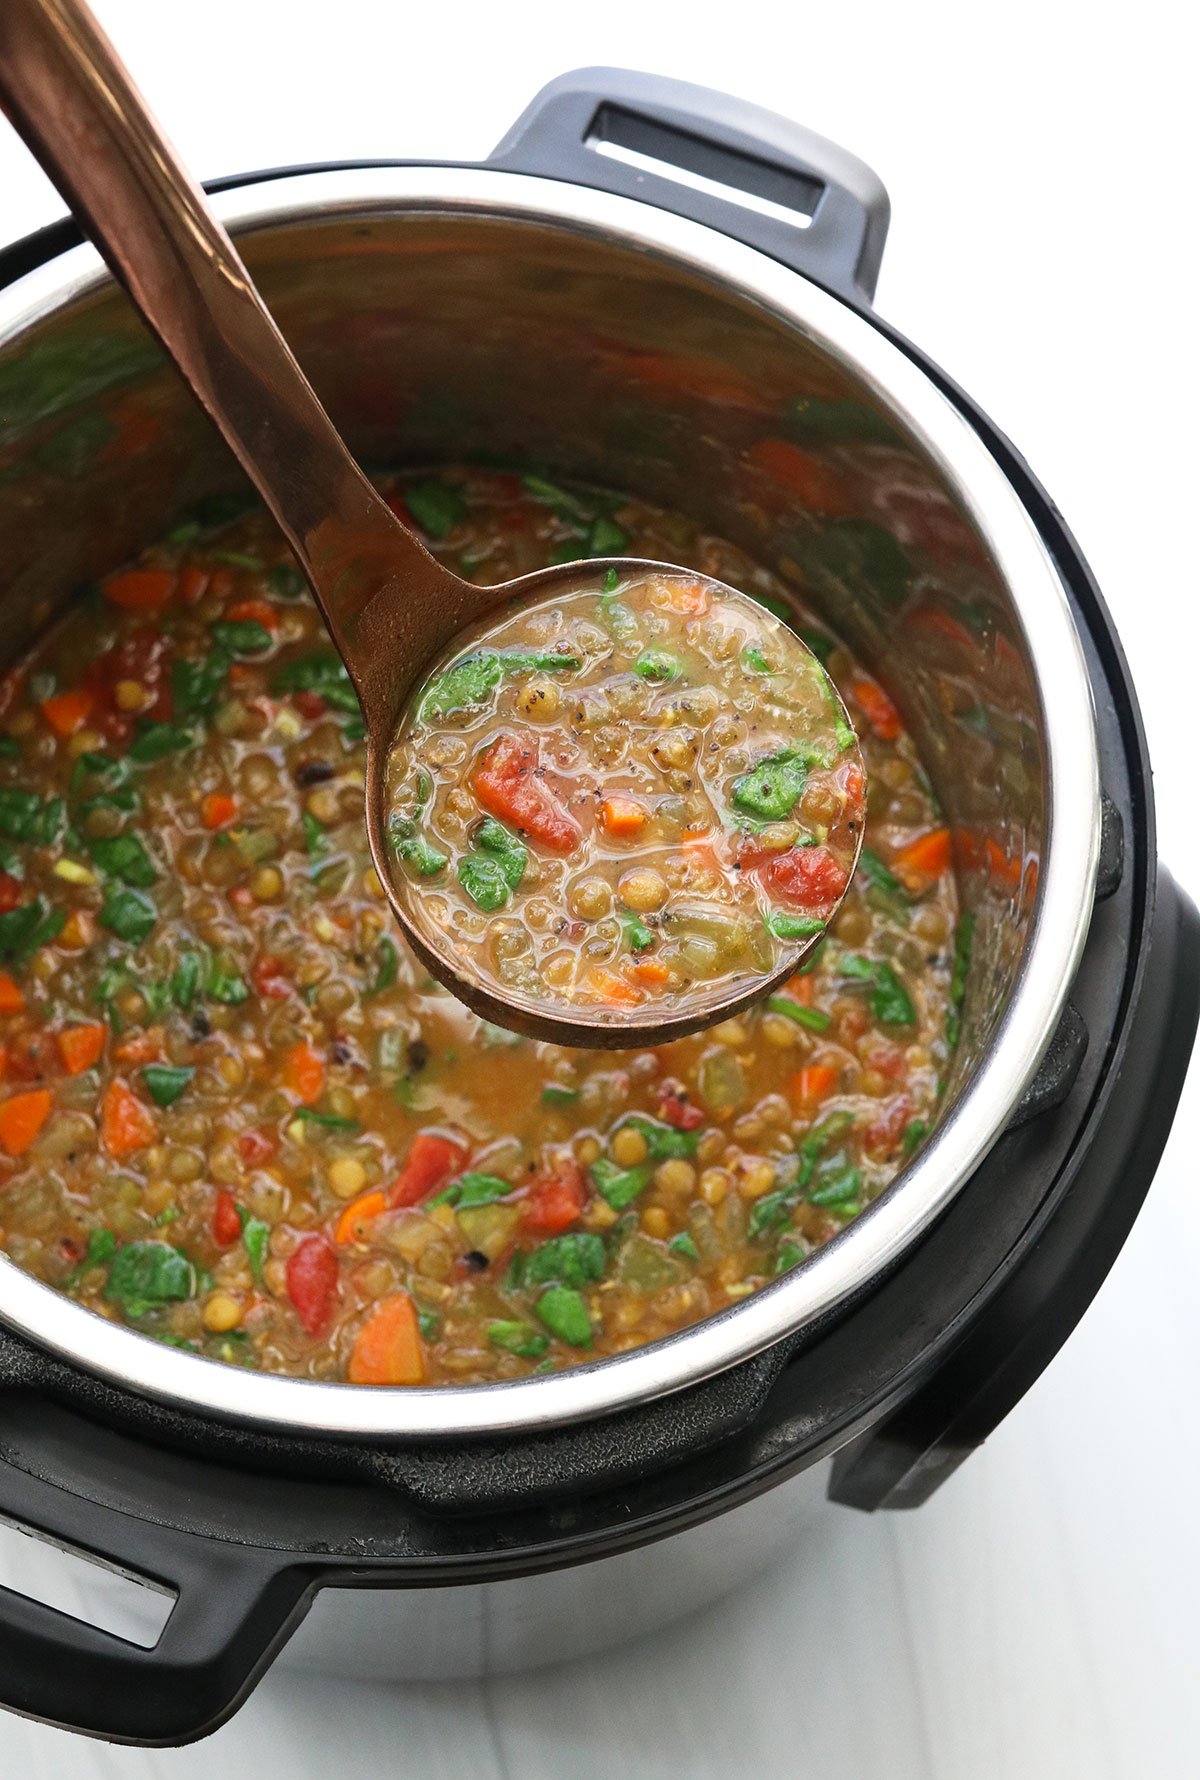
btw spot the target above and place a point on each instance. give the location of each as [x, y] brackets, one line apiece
[631, 796]
[234, 1111]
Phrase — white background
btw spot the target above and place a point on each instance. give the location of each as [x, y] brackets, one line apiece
[1037, 1620]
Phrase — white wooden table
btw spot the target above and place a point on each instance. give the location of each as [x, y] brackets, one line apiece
[1038, 1619]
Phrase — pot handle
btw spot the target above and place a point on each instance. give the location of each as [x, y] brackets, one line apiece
[752, 174]
[234, 1607]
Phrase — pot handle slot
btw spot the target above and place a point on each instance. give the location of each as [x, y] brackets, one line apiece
[234, 1607]
[752, 174]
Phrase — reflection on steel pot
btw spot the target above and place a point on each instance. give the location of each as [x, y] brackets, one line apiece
[563, 304]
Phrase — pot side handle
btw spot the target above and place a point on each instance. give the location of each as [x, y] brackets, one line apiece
[714, 159]
[235, 1606]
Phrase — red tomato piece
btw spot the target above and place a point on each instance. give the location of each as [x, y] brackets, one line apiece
[676, 1109]
[226, 1224]
[312, 1278]
[555, 1200]
[884, 1132]
[509, 785]
[255, 1147]
[11, 892]
[432, 1161]
[807, 878]
[309, 704]
[269, 975]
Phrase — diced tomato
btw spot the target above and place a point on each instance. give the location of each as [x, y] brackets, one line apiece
[312, 1279]
[126, 1125]
[309, 704]
[31, 1056]
[254, 612]
[802, 474]
[270, 977]
[81, 1046]
[12, 892]
[140, 590]
[877, 708]
[884, 1131]
[68, 711]
[509, 785]
[226, 1224]
[256, 1146]
[21, 1118]
[142, 657]
[3, 1061]
[432, 1161]
[12, 996]
[387, 1348]
[192, 582]
[887, 1060]
[218, 809]
[807, 878]
[555, 1200]
[674, 1107]
[304, 1073]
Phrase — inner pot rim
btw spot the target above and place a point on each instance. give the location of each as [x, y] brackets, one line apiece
[880, 1235]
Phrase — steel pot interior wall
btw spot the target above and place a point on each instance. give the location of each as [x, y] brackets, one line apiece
[440, 338]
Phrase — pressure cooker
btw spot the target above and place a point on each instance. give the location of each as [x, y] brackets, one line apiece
[492, 312]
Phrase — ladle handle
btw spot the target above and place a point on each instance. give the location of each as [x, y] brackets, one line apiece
[67, 92]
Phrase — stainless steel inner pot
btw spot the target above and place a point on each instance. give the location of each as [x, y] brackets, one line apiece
[451, 313]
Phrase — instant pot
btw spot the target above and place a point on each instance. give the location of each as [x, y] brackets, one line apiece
[643, 280]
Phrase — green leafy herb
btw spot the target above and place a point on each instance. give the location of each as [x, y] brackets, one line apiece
[321, 672]
[683, 1245]
[611, 581]
[911, 1136]
[822, 646]
[574, 1260]
[473, 1189]
[788, 1255]
[510, 854]
[485, 881]
[469, 682]
[837, 420]
[436, 507]
[557, 1094]
[619, 1187]
[256, 1238]
[18, 925]
[387, 968]
[561, 500]
[411, 846]
[286, 581]
[326, 1120]
[154, 741]
[185, 980]
[663, 1141]
[428, 1322]
[518, 1338]
[123, 856]
[566, 1315]
[239, 559]
[10, 747]
[101, 1247]
[165, 1084]
[754, 659]
[774, 787]
[638, 937]
[841, 1185]
[146, 1275]
[773, 1209]
[785, 926]
[810, 1017]
[315, 838]
[243, 636]
[129, 914]
[224, 984]
[24, 816]
[877, 874]
[891, 1002]
[658, 664]
[605, 538]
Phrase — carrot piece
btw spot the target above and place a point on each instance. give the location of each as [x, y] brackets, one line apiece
[608, 986]
[254, 612]
[801, 474]
[125, 1124]
[304, 1073]
[141, 590]
[878, 709]
[387, 1349]
[926, 857]
[650, 973]
[21, 1118]
[141, 1047]
[813, 1083]
[622, 816]
[218, 809]
[192, 582]
[12, 996]
[359, 1211]
[80, 1047]
[3, 1061]
[68, 711]
[700, 846]
[687, 598]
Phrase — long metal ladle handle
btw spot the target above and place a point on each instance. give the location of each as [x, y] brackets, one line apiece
[68, 94]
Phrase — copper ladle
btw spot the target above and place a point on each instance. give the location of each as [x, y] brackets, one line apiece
[391, 609]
